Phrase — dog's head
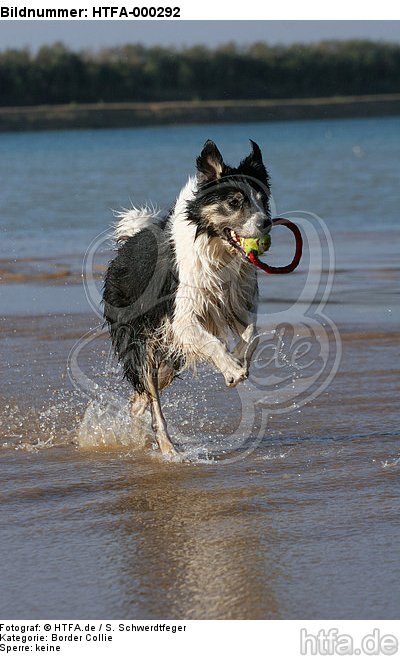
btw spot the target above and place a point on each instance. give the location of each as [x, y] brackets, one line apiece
[231, 203]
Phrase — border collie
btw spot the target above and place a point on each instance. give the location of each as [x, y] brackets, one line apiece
[181, 285]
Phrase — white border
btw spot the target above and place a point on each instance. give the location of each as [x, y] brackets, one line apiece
[223, 10]
[82, 637]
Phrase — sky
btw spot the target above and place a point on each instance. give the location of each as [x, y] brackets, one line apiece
[98, 34]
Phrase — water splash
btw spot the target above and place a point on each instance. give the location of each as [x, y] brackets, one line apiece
[390, 464]
[109, 425]
[34, 429]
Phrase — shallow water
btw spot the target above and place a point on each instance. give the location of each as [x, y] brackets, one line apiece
[288, 507]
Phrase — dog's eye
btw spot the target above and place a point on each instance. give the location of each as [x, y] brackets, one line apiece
[234, 203]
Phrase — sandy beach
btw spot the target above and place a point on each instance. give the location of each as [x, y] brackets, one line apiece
[131, 114]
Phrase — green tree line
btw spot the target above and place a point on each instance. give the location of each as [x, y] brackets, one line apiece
[56, 74]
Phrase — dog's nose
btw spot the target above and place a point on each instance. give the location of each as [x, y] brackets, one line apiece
[263, 224]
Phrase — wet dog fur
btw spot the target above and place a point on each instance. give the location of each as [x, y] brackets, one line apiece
[180, 284]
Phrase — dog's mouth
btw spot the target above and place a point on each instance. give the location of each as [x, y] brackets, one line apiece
[246, 245]
[235, 241]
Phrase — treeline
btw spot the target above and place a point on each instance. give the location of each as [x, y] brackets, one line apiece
[56, 74]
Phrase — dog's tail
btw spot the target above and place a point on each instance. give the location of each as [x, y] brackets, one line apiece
[131, 221]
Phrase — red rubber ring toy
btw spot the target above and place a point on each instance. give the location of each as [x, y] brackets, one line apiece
[297, 256]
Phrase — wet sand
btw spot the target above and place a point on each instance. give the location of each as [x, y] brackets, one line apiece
[305, 526]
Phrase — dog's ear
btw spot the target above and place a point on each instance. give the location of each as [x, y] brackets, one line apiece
[210, 165]
[253, 164]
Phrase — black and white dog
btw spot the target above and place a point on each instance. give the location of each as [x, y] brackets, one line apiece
[180, 285]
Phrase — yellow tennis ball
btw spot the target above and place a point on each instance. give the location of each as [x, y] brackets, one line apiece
[255, 245]
[265, 243]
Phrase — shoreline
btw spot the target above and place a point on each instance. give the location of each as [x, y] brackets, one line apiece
[128, 115]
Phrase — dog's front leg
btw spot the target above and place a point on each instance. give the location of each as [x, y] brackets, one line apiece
[231, 367]
[246, 345]
[197, 341]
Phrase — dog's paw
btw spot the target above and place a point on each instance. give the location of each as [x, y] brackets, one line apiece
[234, 373]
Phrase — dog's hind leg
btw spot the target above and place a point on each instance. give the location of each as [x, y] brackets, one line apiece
[140, 402]
[166, 375]
[158, 420]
